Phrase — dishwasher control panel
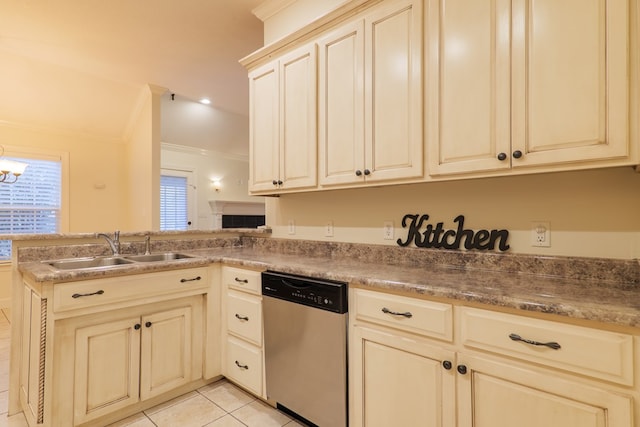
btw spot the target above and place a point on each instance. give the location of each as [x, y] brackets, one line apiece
[319, 293]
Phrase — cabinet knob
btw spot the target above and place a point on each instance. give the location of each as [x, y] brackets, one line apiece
[136, 326]
[148, 324]
[358, 172]
[517, 154]
[367, 172]
[447, 365]
[279, 182]
[502, 157]
[462, 369]
[274, 182]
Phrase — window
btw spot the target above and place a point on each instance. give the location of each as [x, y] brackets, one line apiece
[33, 203]
[174, 202]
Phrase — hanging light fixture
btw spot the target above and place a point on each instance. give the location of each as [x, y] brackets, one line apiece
[10, 170]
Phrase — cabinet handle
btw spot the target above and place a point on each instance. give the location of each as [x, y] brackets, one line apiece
[462, 369]
[367, 172]
[148, 324]
[241, 366]
[517, 154]
[358, 172]
[190, 280]
[502, 157]
[241, 317]
[447, 365]
[553, 345]
[100, 292]
[406, 314]
[136, 326]
[241, 280]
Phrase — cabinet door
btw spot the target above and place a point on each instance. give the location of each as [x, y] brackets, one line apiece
[570, 80]
[497, 394]
[166, 351]
[264, 134]
[298, 135]
[397, 380]
[341, 100]
[393, 95]
[469, 117]
[107, 368]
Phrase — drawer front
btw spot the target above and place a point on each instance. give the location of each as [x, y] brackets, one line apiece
[90, 293]
[245, 280]
[244, 316]
[600, 354]
[244, 364]
[413, 315]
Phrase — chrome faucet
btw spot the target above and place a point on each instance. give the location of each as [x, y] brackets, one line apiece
[147, 244]
[114, 243]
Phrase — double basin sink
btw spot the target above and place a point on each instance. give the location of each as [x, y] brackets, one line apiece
[104, 262]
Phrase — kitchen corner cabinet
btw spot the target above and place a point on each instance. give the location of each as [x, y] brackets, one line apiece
[521, 84]
[283, 139]
[370, 97]
[242, 324]
[96, 350]
[496, 370]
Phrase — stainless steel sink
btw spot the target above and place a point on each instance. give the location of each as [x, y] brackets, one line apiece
[85, 263]
[168, 256]
[95, 263]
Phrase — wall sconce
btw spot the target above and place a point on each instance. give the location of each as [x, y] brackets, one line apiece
[217, 184]
[10, 170]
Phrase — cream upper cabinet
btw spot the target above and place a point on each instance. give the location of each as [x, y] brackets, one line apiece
[523, 83]
[283, 135]
[370, 97]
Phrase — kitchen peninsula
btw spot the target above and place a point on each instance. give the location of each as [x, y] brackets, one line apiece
[586, 305]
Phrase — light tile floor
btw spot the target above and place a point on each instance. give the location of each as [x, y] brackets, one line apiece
[220, 404]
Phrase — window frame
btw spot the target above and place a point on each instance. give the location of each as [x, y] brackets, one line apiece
[192, 202]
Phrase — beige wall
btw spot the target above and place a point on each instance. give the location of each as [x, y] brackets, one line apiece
[592, 213]
[143, 154]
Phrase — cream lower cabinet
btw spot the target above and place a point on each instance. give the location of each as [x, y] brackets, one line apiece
[516, 84]
[501, 370]
[95, 351]
[399, 380]
[121, 362]
[243, 355]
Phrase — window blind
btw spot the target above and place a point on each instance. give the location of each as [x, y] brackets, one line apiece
[173, 203]
[32, 204]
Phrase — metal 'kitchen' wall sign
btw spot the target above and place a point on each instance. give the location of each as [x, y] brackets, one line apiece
[438, 237]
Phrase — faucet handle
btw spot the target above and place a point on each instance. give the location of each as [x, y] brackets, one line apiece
[116, 234]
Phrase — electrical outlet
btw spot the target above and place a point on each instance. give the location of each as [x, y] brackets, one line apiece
[292, 227]
[388, 230]
[541, 234]
[328, 229]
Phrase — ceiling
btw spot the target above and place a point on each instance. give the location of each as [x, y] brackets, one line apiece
[82, 65]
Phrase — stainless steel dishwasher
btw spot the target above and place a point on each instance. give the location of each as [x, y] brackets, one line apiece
[305, 347]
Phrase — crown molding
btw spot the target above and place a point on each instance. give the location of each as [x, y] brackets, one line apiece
[202, 152]
[268, 8]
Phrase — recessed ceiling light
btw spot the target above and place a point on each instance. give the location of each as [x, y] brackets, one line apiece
[205, 101]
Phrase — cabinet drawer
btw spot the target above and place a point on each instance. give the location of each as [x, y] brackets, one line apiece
[244, 364]
[244, 316]
[600, 354]
[90, 293]
[426, 318]
[239, 278]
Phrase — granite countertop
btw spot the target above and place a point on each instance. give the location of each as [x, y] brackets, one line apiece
[580, 299]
